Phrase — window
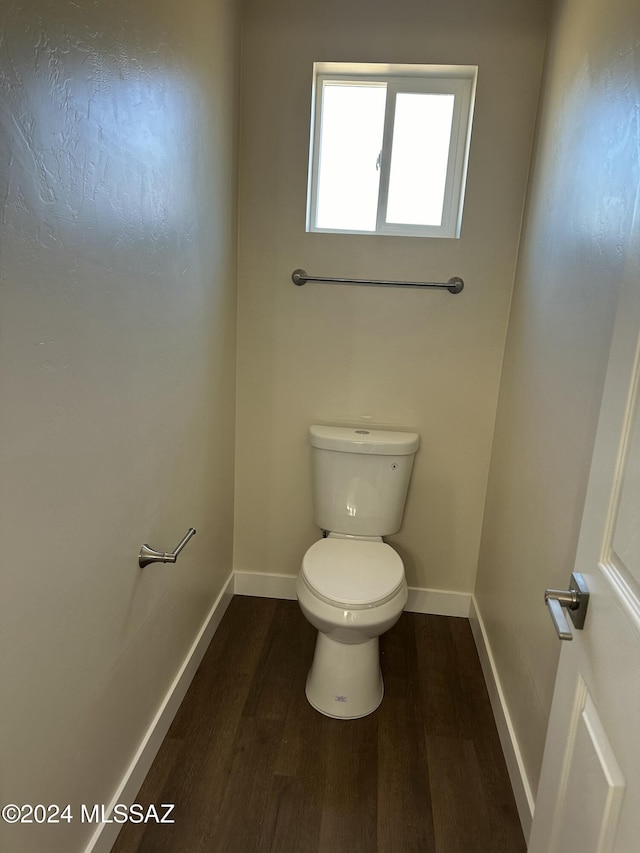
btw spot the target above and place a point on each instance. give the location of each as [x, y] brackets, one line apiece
[389, 148]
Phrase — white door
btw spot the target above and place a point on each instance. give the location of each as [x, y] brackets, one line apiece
[589, 794]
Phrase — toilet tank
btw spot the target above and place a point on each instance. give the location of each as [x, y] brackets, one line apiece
[360, 478]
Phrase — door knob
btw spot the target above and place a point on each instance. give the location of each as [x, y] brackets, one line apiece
[575, 600]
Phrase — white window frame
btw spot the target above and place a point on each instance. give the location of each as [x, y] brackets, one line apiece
[458, 80]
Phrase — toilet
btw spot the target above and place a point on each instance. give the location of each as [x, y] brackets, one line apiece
[351, 585]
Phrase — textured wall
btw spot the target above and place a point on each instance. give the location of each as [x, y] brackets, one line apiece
[427, 361]
[117, 354]
[578, 232]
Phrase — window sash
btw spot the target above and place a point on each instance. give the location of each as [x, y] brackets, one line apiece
[461, 85]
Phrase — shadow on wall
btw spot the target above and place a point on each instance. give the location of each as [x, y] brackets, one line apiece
[93, 137]
[430, 505]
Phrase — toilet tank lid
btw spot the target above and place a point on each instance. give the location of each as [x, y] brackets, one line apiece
[360, 440]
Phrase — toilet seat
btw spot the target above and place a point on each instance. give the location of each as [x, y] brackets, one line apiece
[352, 573]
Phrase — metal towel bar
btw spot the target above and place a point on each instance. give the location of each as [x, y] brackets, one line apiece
[454, 285]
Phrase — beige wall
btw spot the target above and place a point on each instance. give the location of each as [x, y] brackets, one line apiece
[427, 361]
[578, 232]
[118, 313]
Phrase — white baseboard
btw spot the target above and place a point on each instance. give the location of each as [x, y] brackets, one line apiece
[438, 602]
[105, 835]
[435, 601]
[264, 585]
[513, 757]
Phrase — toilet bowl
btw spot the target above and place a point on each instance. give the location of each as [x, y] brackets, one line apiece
[351, 590]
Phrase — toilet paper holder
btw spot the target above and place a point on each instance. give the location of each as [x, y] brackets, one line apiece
[150, 555]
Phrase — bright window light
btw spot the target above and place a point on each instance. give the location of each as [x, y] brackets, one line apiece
[389, 148]
[419, 157]
[350, 142]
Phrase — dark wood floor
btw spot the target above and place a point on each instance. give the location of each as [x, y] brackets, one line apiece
[251, 766]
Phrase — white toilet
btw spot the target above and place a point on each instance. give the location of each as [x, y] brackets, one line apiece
[351, 585]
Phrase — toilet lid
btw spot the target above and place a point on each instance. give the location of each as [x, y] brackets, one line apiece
[353, 572]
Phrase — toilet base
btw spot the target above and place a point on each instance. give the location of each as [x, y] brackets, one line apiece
[345, 681]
